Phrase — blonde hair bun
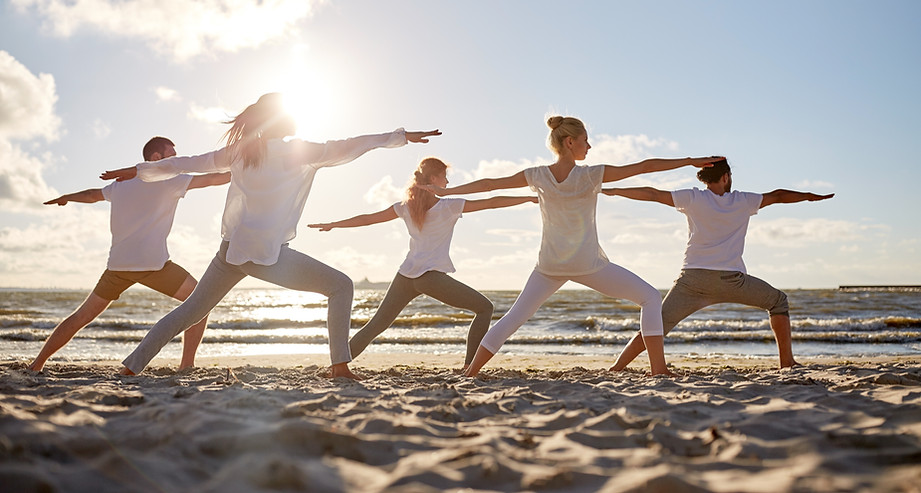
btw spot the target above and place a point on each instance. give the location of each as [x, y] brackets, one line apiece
[554, 121]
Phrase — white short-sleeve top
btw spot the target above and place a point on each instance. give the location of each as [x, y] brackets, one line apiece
[569, 240]
[429, 247]
[140, 220]
[716, 227]
[265, 202]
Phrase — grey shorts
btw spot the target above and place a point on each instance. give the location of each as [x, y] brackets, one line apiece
[699, 288]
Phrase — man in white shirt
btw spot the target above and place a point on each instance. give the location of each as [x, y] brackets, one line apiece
[713, 270]
[140, 220]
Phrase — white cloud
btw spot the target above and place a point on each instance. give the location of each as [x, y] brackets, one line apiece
[166, 94]
[624, 149]
[179, 28]
[791, 232]
[383, 193]
[26, 112]
[100, 129]
[26, 102]
[209, 114]
[810, 185]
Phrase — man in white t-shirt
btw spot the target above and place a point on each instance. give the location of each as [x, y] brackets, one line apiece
[713, 270]
[140, 219]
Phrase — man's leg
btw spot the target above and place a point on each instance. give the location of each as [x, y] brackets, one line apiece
[681, 301]
[65, 331]
[780, 324]
[752, 291]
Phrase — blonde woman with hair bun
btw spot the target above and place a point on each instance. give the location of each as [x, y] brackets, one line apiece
[569, 249]
[430, 222]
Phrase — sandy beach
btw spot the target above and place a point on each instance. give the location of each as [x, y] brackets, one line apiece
[275, 423]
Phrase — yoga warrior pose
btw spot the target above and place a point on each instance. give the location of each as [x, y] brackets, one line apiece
[713, 270]
[270, 181]
[140, 219]
[430, 222]
[569, 249]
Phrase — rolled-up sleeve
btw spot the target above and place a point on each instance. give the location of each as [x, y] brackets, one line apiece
[336, 152]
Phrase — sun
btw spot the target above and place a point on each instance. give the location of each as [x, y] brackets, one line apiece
[309, 93]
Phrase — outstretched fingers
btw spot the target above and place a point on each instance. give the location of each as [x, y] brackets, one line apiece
[422, 137]
[120, 174]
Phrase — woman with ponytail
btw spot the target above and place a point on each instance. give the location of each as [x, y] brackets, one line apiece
[430, 222]
[269, 184]
[569, 249]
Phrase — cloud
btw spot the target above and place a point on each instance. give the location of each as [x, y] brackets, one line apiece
[624, 149]
[181, 29]
[383, 193]
[26, 112]
[208, 115]
[814, 185]
[792, 232]
[100, 129]
[166, 94]
[26, 102]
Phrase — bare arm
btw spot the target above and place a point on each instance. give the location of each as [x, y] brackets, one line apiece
[642, 193]
[781, 196]
[496, 203]
[483, 185]
[358, 221]
[209, 180]
[88, 196]
[614, 173]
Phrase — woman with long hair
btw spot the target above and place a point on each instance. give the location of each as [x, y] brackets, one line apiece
[430, 222]
[569, 249]
[270, 181]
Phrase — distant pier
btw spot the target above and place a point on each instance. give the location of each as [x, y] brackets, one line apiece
[893, 287]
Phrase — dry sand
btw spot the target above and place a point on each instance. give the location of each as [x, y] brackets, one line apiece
[265, 424]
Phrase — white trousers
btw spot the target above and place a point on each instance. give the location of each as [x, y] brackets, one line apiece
[612, 280]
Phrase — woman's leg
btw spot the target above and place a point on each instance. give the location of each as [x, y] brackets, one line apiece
[452, 292]
[399, 294]
[618, 282]
[216, 282]
[297, 271]
[536, 291]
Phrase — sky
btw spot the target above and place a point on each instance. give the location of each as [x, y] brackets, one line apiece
[817, 96]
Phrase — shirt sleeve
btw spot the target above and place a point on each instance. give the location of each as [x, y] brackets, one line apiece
[164, 169]
[597, 177]
[107, 190]
[754, 202]
[682, 198]
[336, 152]
[457, 206]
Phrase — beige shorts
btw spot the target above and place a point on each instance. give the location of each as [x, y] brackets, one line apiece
[167, 280]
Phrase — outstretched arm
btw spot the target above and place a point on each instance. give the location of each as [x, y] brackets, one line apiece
[357, 221]
[209, 180]
[642, 193]
[483, 185]
[496, 203]
[781, 196]
[88, 196]
[614, 173]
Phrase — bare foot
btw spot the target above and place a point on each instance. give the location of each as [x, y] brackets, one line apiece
[342, 370]
[126, 371]
[34, 367]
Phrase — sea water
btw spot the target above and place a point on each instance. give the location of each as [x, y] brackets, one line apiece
[826, 322]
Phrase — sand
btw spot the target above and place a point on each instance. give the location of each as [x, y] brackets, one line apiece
[275, 423]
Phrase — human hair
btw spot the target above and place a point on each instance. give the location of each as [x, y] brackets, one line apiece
[560, 128]
[265, 119]
[156, 144]
[713, 173]
[418, 200]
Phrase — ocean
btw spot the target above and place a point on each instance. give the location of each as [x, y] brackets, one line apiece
[826, 322]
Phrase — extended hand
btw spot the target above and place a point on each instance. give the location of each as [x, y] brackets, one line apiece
[321, 227]
[706, 162]
[120, 174]
[59, 201]
[421, 137]
[813, 197]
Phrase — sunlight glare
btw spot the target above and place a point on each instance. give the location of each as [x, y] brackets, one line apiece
[309, 93]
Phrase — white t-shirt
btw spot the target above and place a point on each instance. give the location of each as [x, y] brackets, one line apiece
[140, 219]
[429, 248]
[716, 227]
[569, 241]
[265, 203]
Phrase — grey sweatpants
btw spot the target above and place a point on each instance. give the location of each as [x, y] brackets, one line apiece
[439, 286]
[696, 289]
[293, 270]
